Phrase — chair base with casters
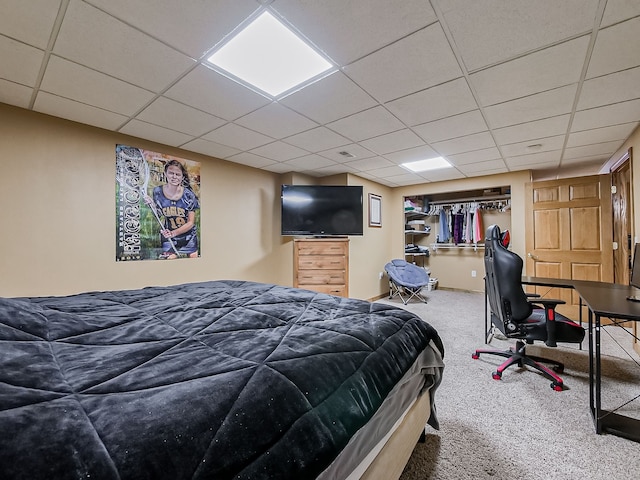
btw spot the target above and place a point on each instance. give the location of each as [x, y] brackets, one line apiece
[406, 280]
[518, 356]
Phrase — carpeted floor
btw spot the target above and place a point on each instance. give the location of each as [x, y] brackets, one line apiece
[519, 427]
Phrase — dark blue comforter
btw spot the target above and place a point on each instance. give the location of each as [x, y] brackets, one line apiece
[215, 380]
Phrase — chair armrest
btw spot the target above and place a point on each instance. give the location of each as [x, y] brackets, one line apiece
[532, 295]
[549, 305]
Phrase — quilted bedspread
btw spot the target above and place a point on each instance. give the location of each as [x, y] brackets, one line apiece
[216, 380]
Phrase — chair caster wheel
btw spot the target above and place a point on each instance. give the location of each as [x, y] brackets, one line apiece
[558, 387]
[475, 356]
[558, 369]
[497, 376]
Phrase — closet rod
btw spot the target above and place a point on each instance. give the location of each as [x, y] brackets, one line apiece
[474, 199]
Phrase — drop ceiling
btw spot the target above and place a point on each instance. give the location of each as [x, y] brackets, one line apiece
[494, 86]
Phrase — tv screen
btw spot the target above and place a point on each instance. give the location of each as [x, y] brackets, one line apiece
[321, 210]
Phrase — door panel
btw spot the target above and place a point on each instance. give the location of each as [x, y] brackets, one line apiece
[569, 233]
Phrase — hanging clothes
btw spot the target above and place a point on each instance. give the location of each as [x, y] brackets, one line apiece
[458, 230]
[443, 231]
[477, 226]
[468, 226]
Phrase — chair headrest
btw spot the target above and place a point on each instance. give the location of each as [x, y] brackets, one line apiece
[494, 233]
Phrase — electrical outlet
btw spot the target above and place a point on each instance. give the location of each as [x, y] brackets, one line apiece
[380, 275]
[473, 273]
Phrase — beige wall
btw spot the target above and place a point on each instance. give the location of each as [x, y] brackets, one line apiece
[57, 189]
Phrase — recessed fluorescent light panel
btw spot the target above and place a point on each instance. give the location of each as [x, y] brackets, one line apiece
[428, 164]
[268, 56]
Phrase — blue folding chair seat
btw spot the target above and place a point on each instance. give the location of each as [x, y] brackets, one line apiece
[406, 279]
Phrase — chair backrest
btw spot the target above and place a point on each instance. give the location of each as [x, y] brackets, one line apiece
[503, 281]
[406, 274]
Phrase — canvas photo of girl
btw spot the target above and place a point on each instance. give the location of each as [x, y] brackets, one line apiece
[158, 206]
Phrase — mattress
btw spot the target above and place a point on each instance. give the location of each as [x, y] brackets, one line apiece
[224, 379]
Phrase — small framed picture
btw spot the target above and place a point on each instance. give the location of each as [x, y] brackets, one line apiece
[375, 210]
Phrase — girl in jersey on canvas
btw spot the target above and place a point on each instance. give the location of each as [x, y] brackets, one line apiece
[177, 204]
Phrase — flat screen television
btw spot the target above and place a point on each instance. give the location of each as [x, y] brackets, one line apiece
[322, 210]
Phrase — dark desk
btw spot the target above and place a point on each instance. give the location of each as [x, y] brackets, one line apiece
[603, 300]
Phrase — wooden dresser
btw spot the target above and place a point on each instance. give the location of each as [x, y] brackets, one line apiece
[322, 264]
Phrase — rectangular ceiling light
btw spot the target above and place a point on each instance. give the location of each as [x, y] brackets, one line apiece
[269, 56]
[428, 164]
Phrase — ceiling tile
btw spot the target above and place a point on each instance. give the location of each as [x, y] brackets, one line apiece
[533, 146]
[547, 127]
[539, 71]
[370, 123]
[350, 30]
[606, 149]
[309, 162]
[14, 94]
[495, 166]
[618, 10]
[77, 112]
[162, 135]
[452, 127]
[475, 156]
[252, 160]
[237, 136]
[608, 89]
[434, 103]
[412, 154]
[91, 37]
[599, 135]
[279, 151]
[335, 169]
[368, 164]
[317, 140]
[413, 63]
[619, 113]
[616, 48]
[513, 29]
[355, 151]
[181, 118]
[207, 90]
[276, 121]
[30, 22]
[333, 97]
[387, 172]
[190, 26]
[391, 142]
[20, 63]
[442, 174]
[524, 161]
[212, 149]
[534, 107]
[79, 83]
[476, 141]
[278, 168]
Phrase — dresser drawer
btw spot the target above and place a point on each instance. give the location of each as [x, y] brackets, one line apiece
[321, 277]
[322, 248]
[321, 262]
[338, 290]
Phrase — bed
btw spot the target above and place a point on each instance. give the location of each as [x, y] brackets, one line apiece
[215, 380]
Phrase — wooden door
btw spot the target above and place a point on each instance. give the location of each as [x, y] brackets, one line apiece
[569, 233]
[622, 232]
